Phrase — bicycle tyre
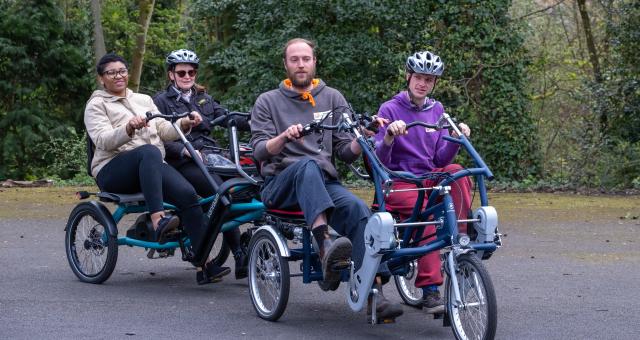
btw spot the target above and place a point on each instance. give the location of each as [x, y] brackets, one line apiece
[268, 270]
[477, 317]
[91, 249]
[405, 284]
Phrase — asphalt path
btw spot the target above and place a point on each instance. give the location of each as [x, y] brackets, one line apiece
[567, 273]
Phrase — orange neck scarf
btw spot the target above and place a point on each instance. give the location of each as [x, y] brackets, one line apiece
[305, 95]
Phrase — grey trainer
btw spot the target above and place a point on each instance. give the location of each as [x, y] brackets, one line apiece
[433, 303]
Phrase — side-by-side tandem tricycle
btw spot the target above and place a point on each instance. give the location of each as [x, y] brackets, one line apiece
[276, 238]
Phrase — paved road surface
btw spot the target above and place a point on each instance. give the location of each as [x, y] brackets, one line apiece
[564, 273]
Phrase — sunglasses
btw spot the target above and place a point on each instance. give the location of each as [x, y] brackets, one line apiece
[183, 73]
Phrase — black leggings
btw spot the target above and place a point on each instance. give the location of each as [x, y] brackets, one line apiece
[194, 175]
[142, 169]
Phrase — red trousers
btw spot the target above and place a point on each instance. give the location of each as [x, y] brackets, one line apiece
[403, 202]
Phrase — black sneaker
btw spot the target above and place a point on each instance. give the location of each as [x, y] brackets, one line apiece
[167, 225]
[241, 265]
[337, 257]
[212, 273]
[386, 311]
[433, 303]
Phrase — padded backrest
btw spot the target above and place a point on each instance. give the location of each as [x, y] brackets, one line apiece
[90, 152]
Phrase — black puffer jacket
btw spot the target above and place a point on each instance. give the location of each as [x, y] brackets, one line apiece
[169, 101]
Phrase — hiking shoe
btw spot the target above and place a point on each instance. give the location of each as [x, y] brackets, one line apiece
[167, 225]
[212, 273]
[433, 303]
[337, 257]
[386, 311]
[241, 265]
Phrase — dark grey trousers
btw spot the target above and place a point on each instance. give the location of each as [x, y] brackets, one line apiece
[303, 185]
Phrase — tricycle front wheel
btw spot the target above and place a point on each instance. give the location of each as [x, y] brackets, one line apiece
[476, 316]
[268, 276]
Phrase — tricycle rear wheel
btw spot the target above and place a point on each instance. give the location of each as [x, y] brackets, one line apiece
[91, 249]
[410, 294]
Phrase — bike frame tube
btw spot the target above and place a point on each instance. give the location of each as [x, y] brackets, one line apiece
[379, 175]
[242, 219]
[253, 209]
[446, 234]
[196, 159]
[127, 241]
[454, 278]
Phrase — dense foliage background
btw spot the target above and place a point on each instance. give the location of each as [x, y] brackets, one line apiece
[552, 101]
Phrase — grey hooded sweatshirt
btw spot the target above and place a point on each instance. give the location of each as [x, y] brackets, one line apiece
[276, 110]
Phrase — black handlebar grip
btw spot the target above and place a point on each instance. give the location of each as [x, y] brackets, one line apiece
[373, 127]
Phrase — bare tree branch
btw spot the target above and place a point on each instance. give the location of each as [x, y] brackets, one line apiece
[541, 10]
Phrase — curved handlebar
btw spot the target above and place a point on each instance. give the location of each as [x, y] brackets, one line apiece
[427, 125]
[172, 117]
[315, 127]
[220, 120]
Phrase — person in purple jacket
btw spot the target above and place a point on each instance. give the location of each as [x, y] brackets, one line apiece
[420, 150]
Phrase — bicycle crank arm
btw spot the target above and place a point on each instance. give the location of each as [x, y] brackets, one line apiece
[378, 235]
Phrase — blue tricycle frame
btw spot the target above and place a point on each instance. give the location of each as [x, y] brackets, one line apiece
[389, 245]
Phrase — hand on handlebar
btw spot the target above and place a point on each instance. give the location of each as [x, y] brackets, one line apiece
[293, 133]
[397, 128]
[187, 154]
[466, 131]
[136, 123]
[372, 128]
[194, 120]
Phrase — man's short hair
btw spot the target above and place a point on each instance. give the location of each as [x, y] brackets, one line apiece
[109, 58]
[299, 40]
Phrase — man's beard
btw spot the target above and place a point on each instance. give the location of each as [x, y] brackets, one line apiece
[301, 83]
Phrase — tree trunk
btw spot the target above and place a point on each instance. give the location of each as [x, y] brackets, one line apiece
[146, 10]
[99, 48]
[591, 47]
[593, 55]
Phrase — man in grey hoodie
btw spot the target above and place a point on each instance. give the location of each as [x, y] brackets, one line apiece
[300, 174]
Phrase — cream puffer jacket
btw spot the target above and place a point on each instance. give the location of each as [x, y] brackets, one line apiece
[106, 117]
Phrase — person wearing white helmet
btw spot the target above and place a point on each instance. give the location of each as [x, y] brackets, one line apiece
[421, 151]
[181, 95]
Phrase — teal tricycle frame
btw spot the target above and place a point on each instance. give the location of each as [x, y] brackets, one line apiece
[92, 236]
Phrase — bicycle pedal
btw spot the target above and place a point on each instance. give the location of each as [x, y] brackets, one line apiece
[154, 254]
[173, 236]
[340, 265]
[382, 321]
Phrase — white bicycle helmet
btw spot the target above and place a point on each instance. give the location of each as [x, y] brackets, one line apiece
[425, 62]
[182, 56]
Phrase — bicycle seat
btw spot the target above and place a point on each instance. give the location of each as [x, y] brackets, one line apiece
[240, 189]
[293, 213]
[120, 198]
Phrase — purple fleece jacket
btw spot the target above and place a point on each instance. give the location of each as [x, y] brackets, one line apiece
[421, 150]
